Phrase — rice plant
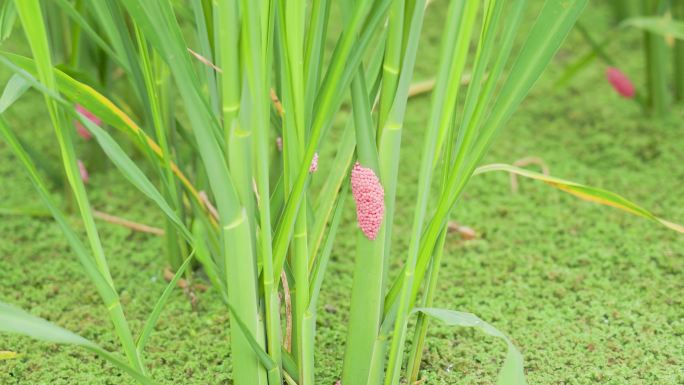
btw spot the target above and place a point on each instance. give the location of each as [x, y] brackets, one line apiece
[228, 103]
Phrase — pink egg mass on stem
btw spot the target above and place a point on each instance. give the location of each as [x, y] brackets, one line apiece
[314, 164]
[370, 200]
[620, 82]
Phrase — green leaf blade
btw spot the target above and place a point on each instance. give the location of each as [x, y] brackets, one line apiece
[512, 371]
[17, 321]
[588, 193]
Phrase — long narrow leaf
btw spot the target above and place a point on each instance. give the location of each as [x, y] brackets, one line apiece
[159, 306]
[591, 194]
[322, 262]
[32, 19]
[16, 321]
[664, 26]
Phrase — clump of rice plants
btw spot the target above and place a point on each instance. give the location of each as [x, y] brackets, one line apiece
[229, 103]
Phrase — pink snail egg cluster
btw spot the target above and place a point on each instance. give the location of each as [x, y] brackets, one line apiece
[83, 171]
[620, 82]
[82, 131]
[314, 164]
[370, 200]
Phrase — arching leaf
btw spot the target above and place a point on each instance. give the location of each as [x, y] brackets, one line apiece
[512, 371]
[588, 193]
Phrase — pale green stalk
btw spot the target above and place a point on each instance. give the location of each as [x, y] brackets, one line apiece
[390, 141]
[76, 38]
[229, 62]
[161, 28]
[293, 142]
[206, 52]
[367, 287]
[292, 18]
[656, 61]
[361, 356]
[105, 290]
[678, 59]
[366, 295]
[256, 59]
[338, 175]
[392, 62]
